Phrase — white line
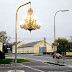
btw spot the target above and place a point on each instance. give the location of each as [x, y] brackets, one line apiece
[56, 71]
[68, 70]
[17, 71]
[70, 66]
[39, 66]
[25, 66]
[33, 68]
[5, 67]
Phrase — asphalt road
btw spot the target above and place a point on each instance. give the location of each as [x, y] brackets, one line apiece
[41, 58]
[36, 66]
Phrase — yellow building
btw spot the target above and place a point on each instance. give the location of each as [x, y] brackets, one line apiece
[69, 53]
[19, 44]
[1, 47]
[1, 44]
[34, 47]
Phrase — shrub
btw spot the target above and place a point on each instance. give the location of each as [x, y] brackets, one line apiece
[2, 55]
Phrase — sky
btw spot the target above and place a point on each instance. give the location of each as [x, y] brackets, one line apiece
[44, 11]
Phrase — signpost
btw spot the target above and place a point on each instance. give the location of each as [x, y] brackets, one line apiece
[54, 48]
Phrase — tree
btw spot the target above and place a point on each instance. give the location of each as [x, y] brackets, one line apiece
[63, 45]
[2, 55]
[4, 39]
[3, 36]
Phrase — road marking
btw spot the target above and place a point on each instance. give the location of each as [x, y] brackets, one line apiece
[56, 71]
[5, 67]
[70, 66]
[33, 68]
[40, 66]
[68, 70]
[24, 66]
[17, 71]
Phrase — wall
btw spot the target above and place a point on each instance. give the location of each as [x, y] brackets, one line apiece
[34, 49]
[1, 46]
[19, 44]
[25, 50]
[41, 44]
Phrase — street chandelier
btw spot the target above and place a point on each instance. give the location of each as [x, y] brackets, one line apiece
[30, 22]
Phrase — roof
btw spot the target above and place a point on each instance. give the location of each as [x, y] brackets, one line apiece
[18, 42]
[28, 44]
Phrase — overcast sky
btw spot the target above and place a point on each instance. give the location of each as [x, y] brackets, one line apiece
[44, 11]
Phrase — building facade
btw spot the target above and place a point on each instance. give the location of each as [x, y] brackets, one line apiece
[1, 43]
[34, 47]
[1, 46]
[19, 44]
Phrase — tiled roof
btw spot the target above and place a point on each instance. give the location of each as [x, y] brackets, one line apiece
[28, 44]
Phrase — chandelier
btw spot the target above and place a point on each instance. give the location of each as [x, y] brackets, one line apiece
[30, 22]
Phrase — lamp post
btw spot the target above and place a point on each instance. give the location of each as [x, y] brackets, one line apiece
[30, 24]
[54, 29]
[16, 36]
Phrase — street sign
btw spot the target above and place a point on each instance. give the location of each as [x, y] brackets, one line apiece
[8, 48]
[54, 48]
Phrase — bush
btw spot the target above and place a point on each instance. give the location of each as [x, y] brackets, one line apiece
[2, 55]
[9, 61]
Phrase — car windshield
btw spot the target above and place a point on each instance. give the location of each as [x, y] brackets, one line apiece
[57, 54]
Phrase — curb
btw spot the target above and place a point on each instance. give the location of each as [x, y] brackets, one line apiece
[53, 63]
[11, 64]
[16, 71]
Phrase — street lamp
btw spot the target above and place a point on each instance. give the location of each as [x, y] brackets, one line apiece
[28, 25]
[30, 22]
[54, 29]
[16, 36]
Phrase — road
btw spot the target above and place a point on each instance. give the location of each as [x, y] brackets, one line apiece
[41, 58]
[37, 65]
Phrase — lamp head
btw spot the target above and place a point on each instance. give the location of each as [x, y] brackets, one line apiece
[64, 10]
[30, 23]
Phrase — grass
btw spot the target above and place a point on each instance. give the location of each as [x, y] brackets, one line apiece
[68, 58]
[54, 63]
[37, 55]
[8, 61]
[50, 63]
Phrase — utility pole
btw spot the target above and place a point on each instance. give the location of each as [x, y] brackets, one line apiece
[45, 44]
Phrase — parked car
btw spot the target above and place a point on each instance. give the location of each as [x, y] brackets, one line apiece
[57, 55]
